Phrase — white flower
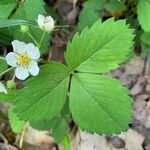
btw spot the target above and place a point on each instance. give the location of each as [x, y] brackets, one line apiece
[2, 88]
[24, 58]
[46, 23]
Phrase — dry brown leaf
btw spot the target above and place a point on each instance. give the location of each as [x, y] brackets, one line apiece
[38, 138]
[135, 66]
[132, 139]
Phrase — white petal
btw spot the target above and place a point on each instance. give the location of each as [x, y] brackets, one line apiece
[40, 20]
[11, 59]
[21, 73]
[3, 89]
[50, 20]
[48, 27]
[32, 51]
[18, 46]
[33, 68]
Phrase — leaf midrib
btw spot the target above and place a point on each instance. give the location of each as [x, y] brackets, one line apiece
[76, 68]
[80, 83]
[46, 94]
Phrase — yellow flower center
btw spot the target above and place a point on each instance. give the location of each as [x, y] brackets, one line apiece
[23, 59]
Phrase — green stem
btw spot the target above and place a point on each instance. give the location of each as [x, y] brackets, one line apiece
[44, 33]
[13, 77]
[22, 137]
[2, 58]
[9, 69]
[63, 26]
[35, 41]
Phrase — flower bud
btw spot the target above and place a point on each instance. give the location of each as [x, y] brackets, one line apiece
[11, 84]
[24, 28]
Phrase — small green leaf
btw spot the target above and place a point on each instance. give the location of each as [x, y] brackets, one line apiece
[44, 96]
[100, 104]
[60, 130]
[15, 123]
[101, 48]
[143, 9]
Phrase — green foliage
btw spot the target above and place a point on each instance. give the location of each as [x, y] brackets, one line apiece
[22, 15]
[145, 38]
[143, 9]
[60, 130]
[15, 123]
[90, 13]
[115, 6]
[145, 51]
[3, 65]
[94, 110]
[8, 97]
[100, 48]
[14, 22]
[24, 12]
[43, 96]
[145, 44]
[93, 98]
[57, 126]
[6, 7]
[66, 142]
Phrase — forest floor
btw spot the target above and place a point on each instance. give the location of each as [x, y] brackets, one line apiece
[135, 75]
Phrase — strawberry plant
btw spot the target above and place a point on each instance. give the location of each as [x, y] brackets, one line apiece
[53, 93]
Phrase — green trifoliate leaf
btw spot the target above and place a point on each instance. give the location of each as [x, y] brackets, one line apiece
[100, 104]
[15, 123]
[143, 11]
[43, 96]
[101, 48]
